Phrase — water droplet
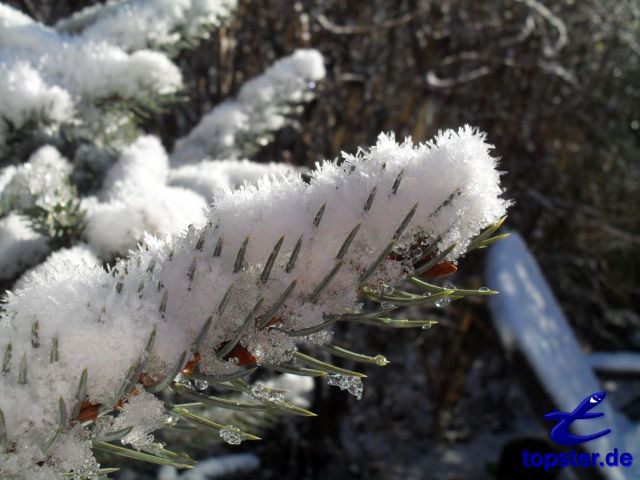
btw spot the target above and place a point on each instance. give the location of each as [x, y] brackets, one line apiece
[183, 381]
[381, 360]
[387, 290]
[427, 326]
[483, 289]
[449, 286]
[386, 305]
[353, 385]
[201, 384]
[311, 85]
[232, 435]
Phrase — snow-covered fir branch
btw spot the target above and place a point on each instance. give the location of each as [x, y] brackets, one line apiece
[137, 24]
[271, 266]
[238, 126]
[47, 77]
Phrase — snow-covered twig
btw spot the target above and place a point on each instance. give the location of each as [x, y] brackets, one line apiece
[261, 107]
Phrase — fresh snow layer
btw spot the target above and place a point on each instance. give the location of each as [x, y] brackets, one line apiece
[102, 320]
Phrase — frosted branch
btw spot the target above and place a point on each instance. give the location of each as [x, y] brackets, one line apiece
[177, 305]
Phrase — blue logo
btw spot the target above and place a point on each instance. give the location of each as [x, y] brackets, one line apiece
[560, 433]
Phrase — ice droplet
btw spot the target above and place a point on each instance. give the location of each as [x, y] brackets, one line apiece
[184, 381]
[381, 360]
[443, 302]
[257, 391]
[232, 435]
[201, 384]
[353, 385]
[171, 420]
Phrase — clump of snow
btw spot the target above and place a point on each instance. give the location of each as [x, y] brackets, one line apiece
[41, 181]
[20, 246]
[25, 95]
[259, 109]
[445, 191]
[145, 413]
[135, 199]
[141, 165]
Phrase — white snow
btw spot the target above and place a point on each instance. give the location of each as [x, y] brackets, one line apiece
[136, 24]
[135, 199]
[530, 321]
[209, 176]
[42, 180]
[45, 76]
[214, 467]
[20, 246]
[60, 260]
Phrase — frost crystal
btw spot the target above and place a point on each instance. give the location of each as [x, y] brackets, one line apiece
[351, 384]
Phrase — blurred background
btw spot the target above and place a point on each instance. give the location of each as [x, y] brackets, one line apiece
[555, 84]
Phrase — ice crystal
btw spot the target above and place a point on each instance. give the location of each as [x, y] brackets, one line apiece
[232, 435]
[351, 384]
